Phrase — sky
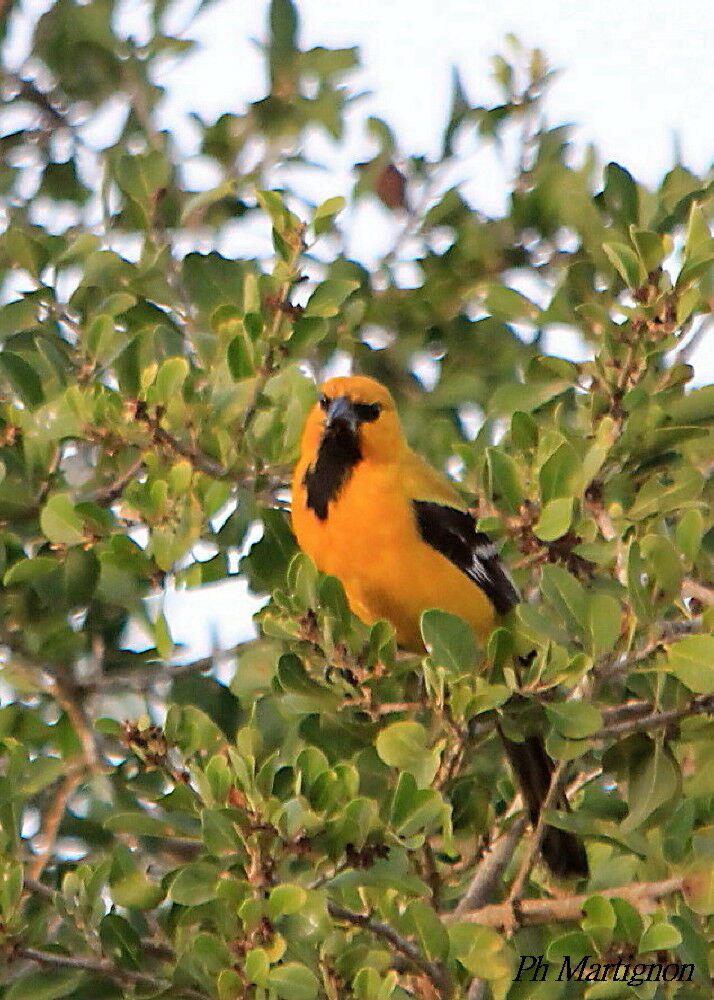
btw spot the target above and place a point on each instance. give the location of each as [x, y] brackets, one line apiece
[633, 74]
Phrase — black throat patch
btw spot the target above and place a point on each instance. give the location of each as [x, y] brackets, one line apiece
[337, 456]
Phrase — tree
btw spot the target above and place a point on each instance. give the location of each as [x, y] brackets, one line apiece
[336, 820]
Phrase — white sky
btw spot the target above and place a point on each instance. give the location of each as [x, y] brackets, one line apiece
[634, 72]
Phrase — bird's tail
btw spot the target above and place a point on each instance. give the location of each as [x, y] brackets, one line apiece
[563, 852]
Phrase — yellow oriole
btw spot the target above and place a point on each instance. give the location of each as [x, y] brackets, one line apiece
[370, 511]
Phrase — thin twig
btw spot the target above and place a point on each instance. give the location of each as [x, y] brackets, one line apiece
[491, 868]
[690, 588]
[52, 819]
[108, 494]
[644, 896]
[666, 633]
[107, 969]
[536, 838]
[38, 888]
[387, 933]
[477, 990]
[642, 720]
[196, 457]
[68, 699]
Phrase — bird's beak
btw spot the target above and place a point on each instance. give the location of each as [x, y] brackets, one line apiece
[341, 411]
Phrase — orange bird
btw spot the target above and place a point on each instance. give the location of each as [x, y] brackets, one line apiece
[370, 511]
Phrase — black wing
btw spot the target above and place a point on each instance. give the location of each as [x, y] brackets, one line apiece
[453, 533]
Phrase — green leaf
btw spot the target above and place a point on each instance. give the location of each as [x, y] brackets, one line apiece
[604, 621]
[574, 719]
[481, 951]
[654, 780]
[60, 522]
[621, 195]
[660, 495]
[285, 899]
[241, 362]
[328, 297]
[664, 561]
[415, 809]
[283, 28]
[504, 481]
[194, 884]
[23, 378]
[691, 660]
[558, 474]
[138, 823]
[555, 519]
[325, 214]
[651, 247]
[636, 571]
[659, 936]
[18, 315]
[449, 640]
[524, 431]
[257, 967]
[46, 984]
[81, 575]
[136, 892]
[293, 981]
[120, 940]
[567, 595]
[170, 378]
[422, 923]
[689, 533]
[29, 570]
[698, 230]
[405, 745]
[626, 263]
[699, 889]
[599, 921]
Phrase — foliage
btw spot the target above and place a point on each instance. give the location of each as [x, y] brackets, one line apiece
[315, 828]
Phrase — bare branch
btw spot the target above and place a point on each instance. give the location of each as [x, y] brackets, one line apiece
[536, 839]
[38, 888]
[491, 868]
[665, 632]
[690, 588]
[112, 491]
[107, 969]
[405, 947]
[69, 699]
[644, 896]
[638, 716]
[51, 825]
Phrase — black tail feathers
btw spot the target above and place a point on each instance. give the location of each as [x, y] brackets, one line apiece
[563, 852]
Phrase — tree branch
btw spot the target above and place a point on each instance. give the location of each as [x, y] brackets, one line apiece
[638, 716]
[666, 632]
[401, 944]
[690, 588]
[644, 896]
[536, 838]
[51, 825]
[491, 868]
[107, 969]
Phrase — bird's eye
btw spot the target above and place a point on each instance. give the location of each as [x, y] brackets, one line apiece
[325, 403]
[367, 413]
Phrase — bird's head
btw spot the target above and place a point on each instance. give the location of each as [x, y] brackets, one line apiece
[353, 420]
[358, 408]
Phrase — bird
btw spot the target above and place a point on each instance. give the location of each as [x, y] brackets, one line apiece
[373, 513]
